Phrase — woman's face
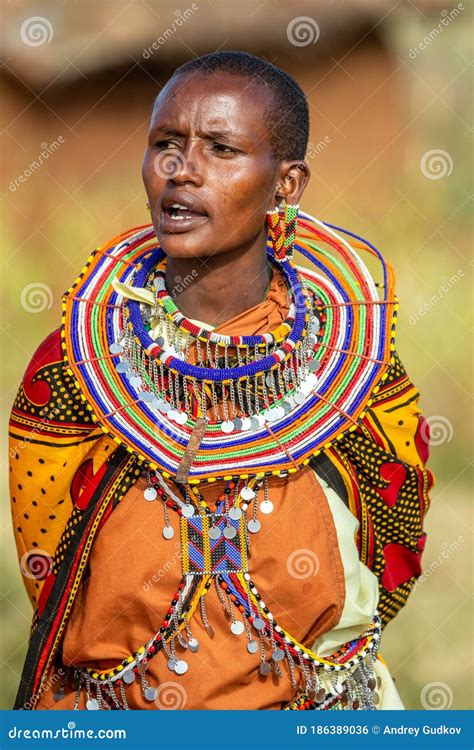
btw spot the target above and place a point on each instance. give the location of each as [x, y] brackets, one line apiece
[209, 170]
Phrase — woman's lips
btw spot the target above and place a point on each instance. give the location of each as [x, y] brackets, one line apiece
[184, 221]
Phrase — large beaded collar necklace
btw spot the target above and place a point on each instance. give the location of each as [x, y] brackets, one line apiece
[250, 406]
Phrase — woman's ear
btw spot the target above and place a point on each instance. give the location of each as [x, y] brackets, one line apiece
[294, 176]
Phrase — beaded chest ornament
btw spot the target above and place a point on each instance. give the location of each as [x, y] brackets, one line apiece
[251, 407]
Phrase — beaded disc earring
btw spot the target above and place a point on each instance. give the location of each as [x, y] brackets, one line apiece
[283, 236]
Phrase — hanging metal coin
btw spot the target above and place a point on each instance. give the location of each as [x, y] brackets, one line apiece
[92, 704]
[254, 525]
[264, 668]
[252, 647]
[193, 645]
[187, 510]
[237, 627]
[235, 514]
[247, 493]
[215, 532]
[266, 506]
[258, 624]
[230, 532]
[150, 494]
[129, 676]
[278, 654]
[150, 693]
[181, 666]
[168, 532]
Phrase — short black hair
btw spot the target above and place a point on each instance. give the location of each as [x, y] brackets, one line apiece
[287, 117]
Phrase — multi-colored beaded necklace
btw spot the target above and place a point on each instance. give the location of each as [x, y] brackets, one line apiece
[276, 401]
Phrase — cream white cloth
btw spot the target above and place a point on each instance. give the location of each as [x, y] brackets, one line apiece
[362, 595]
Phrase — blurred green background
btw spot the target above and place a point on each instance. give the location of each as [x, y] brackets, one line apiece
[391, 157]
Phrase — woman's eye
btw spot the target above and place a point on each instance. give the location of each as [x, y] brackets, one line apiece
[166, 145]
[223, 149]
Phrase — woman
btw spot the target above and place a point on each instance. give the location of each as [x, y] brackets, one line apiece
[218, 462]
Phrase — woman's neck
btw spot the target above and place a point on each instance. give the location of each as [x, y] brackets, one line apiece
[219, 287]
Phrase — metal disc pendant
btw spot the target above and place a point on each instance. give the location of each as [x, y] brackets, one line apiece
[215, 532]
[172, 414]
[135, 381]
[252, 647]
[123, 367]
[237, 422]
[247, 493]
[188, 510]
[168, 532]
[278, 654]
[181, 666]
[314, 365]
[150, 693]
[193, 645]
[171, 664]
[254, 423]
[92, 704]
[150, 494]
[227, 426]
[230, 532]
[258, 624]
[266, 506]
[165, 407]
[300, 397]
[235, 514]
[147, 396]
[237, 627]
[181, 418]
[264, 668]
[254, 526]
[115, 348]
[287, 407]
[129, 676]
[246, 424]
[279, 412]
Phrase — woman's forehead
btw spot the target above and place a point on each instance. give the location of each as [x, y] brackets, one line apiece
[224, 102]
